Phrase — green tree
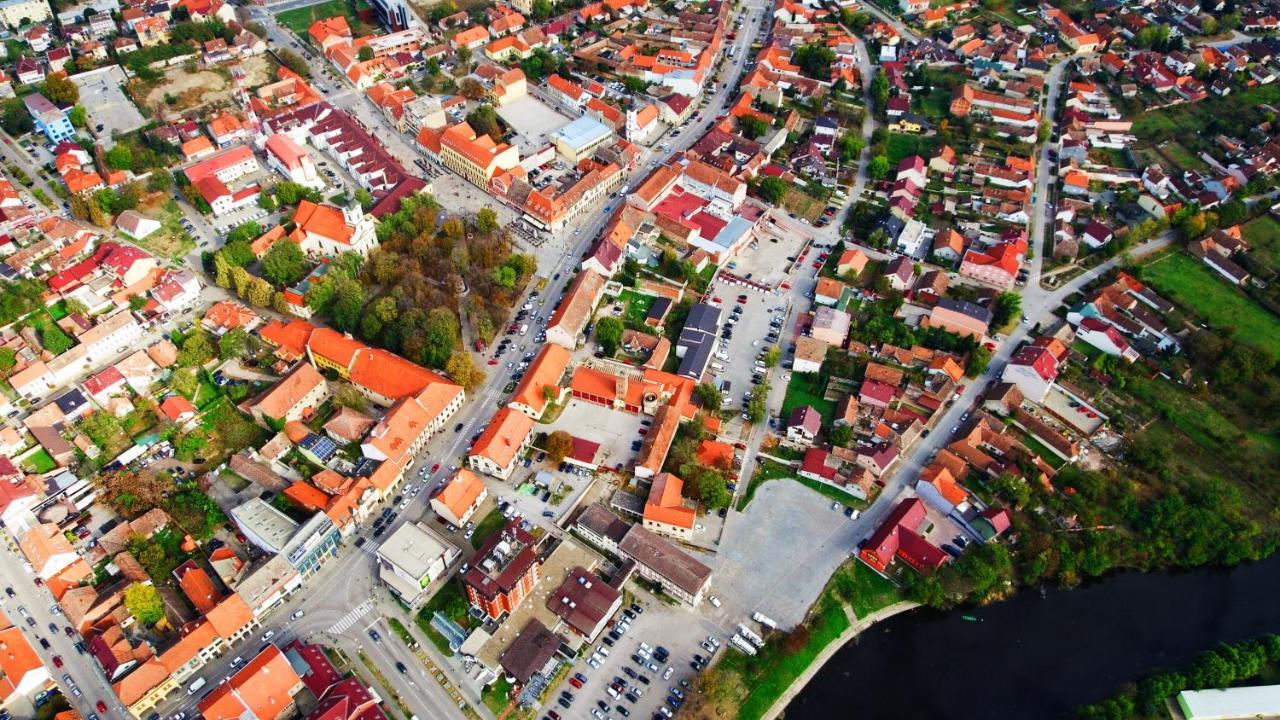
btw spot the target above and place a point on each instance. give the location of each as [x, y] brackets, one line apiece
[772, 190]
[14, 117]
[841, 435]
[60, 91]
[365, 54]
[119, 157]
[54, 340]
[74, 306]
[78, 116]
[542, 9]
[294, 62]
[440, 336]
[347, 395]
[757, 407]
[814, 60]
[233, 343]
[879, 167]
[8, 358]
[609, 334]
[752, 126]
[486, 220]
[285, 263]
[184, 382]
[196, 350]
[143, 602]
[159, 181]
[348, 301]
[880, 90]
[772, 356]
[137, 302]
[221, 270]
[710, 396]
[243, 234]
[484, 120]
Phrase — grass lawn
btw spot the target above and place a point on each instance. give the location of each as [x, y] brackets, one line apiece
[300, 19]
[491, 524]
[899, 146]
[1263, 234]
[497, 696]
[1054, 461]
[636, 307]
[1191, 284]
[39, 462]
[765, 471]
[830, 492]
[806, 389]
[171, 240]
[803, 204]
[1184, 157]
[862, 589]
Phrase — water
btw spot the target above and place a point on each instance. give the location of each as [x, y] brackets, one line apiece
[1041, 655]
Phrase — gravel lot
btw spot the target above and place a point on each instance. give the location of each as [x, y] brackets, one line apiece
[781, 552]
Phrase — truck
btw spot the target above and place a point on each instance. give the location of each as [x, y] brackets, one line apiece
[742, 645]
[749, 634]
[764, 620]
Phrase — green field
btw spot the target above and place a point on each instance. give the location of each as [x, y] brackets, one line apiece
[899, 146]
[636, 307]
[1263, 234]
[491, 524]
[1186, 159]
[806, 389]
[300, 19]
[39, 462]
[1191, 284]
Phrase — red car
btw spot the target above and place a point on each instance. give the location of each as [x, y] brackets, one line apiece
[57, 661]
[102, 707]
[575, 682]
[493, 361]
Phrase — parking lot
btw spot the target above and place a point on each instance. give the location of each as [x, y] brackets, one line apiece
[101, 91]
[782, 550]
[745, 333]
[613, 429]
[770, 260]
[533, 121]
[676, 629]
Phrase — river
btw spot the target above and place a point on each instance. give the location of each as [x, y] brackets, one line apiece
[1039, 656]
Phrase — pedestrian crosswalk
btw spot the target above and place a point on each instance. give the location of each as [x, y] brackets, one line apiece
[351, 618]
[371, 547]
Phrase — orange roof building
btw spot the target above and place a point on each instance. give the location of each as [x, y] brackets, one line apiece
[262, 690]
[500, 445]
[541, 384]
[295, 397]
[461, 498]
[47, 549]
[665, 512]
[21, 670]
[575, 310]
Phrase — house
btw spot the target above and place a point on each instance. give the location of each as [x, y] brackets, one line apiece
[295, 397]
[572, 314]
[177, 410]
[1104, 336]
[500, 445]
[810, 353]
[1033, 370]
[830, 326]
[585, 603]
[540, 387]
[263, 689]
[1096, 234]
[898, 537]
[900, 272]
[49, 120]
[459, 499]
[852, 261]
[803, 426]
[960, 317]
[666, 512]
[136, 225]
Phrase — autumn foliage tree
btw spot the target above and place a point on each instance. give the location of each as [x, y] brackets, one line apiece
[559, 445]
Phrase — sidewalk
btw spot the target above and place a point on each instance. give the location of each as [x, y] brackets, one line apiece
[831, 649]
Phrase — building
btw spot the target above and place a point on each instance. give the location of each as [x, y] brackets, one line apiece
[47, 550]
[666, 512]
[1229, 703]
[585, 603]
[575, 310]
[395, 14]
[697, 340]
[499, 446]
[1033, 369]
[17, 13]
[803, 426]
[531, 654]
[328, 230]
[296, 397]
[675, 572]
[458, 501]
[540, 387]
[503, 572]
[601, 527]
[580, 139]
[49, 119]
[412, 558]
[960, 317]
[830, 325]
[261, 690]
[22, 673]
[291, 160]
[475, 157]
[898, 537]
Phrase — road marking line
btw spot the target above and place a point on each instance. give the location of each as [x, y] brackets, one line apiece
[346, 621]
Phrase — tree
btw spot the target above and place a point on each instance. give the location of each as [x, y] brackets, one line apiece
[559, 445]
[184, 382]
[60, 91]
[159, 181]
[348, 301]
[143, 602]
[752, 126]
[841, 435]
[440, 336]
[1232, 213]
[710, 396]
[78, 116]
[758, 408]
[609, 334]
[134, 492]
[814, 60]
[196, 350]
[221, 270]
[54, 340]
[772, 190]
[880, 90]
[8, 358]
[285, 263]
[486, 220]
[484, 120]
[137, 302]
[74, 306]
[233, 343]
[294, 62]
[364, 198]
[14, 117]
[879, 167]
[542, 9]
[119, 157]
[242, 235]
[772, 356]
[1008, 305]
[365, 54]
[462, 368]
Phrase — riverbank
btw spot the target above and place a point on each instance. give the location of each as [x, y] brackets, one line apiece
[856, 627]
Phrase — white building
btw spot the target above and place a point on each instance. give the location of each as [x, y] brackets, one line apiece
[18, 12]
[290, 160]
[411, 559]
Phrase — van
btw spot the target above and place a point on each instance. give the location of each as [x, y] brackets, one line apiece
[717, 366]
[194, 687]
[722, 355]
